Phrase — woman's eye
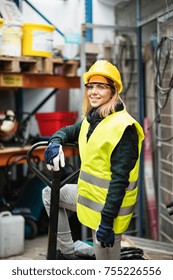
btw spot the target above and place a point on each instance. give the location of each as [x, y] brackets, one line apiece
[101, 87]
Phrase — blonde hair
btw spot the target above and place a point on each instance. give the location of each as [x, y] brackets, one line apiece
[105, 109]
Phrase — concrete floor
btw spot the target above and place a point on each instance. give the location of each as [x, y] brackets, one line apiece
[36, 249]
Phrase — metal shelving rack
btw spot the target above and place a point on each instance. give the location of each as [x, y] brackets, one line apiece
[165, 128]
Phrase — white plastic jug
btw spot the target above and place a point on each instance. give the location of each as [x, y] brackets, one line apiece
[11, 234]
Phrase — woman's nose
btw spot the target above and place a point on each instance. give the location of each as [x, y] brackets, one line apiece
[94, 89]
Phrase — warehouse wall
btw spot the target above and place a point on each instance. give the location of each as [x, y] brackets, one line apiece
[127, 12]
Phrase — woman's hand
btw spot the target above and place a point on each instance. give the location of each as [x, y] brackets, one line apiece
[54, 157]
[105, 235]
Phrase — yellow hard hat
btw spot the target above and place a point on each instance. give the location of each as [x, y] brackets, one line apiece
[106, 69]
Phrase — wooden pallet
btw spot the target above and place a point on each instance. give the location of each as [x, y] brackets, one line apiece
[20, 64]
[60, 67]
[38, 65]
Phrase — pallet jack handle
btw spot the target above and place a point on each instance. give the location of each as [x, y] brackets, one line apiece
[55, 186]
[41, 175]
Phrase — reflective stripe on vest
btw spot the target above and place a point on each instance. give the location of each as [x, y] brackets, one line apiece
[102, 183]
[98, 207]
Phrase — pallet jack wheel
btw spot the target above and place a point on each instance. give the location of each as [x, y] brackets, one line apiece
[31, 229]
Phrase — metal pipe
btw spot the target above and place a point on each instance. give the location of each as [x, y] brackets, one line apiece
[114, 27]
[140, 115]
[159, 145]
[40, 105]
[88, 19]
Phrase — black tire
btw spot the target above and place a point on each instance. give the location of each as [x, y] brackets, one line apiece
[31, 229]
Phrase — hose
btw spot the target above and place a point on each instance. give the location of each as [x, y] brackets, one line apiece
[131, 253]
[161, 61]
[127, 59]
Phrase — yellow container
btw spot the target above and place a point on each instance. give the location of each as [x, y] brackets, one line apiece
[1, 25]
[1, 22]
[37, 39]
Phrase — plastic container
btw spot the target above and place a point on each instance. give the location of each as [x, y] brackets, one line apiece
[11, 39]
[37, 39]
[49, 123]
[11, 234]
[1, 25]
[72, 45]
[1, 22]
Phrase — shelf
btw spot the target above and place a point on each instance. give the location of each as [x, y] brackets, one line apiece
[38, 72]
[39, 65]
[10, 80]
[14, 153]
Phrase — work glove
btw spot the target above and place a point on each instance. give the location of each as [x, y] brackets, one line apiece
[105, 235]
[54, 157]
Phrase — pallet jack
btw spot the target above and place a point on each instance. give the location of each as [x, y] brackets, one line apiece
[55, 186]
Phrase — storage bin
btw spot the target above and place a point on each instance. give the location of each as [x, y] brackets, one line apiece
[37, 39]
[11, 39]
[49, 123]
[11, 234]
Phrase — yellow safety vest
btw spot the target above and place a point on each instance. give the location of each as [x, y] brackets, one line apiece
[95, 174]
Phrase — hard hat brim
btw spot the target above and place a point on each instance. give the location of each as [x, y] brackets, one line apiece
[87, 76]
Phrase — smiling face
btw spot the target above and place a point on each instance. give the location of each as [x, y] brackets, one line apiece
[98, 91]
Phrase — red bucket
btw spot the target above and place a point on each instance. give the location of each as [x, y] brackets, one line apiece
[49, 123]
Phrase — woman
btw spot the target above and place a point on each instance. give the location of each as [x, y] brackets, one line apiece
[109, 142]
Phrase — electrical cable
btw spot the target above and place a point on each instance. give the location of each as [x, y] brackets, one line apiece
[162, 55]
[157, 119]
[126, 59]
[131, 253]
[162, 59]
